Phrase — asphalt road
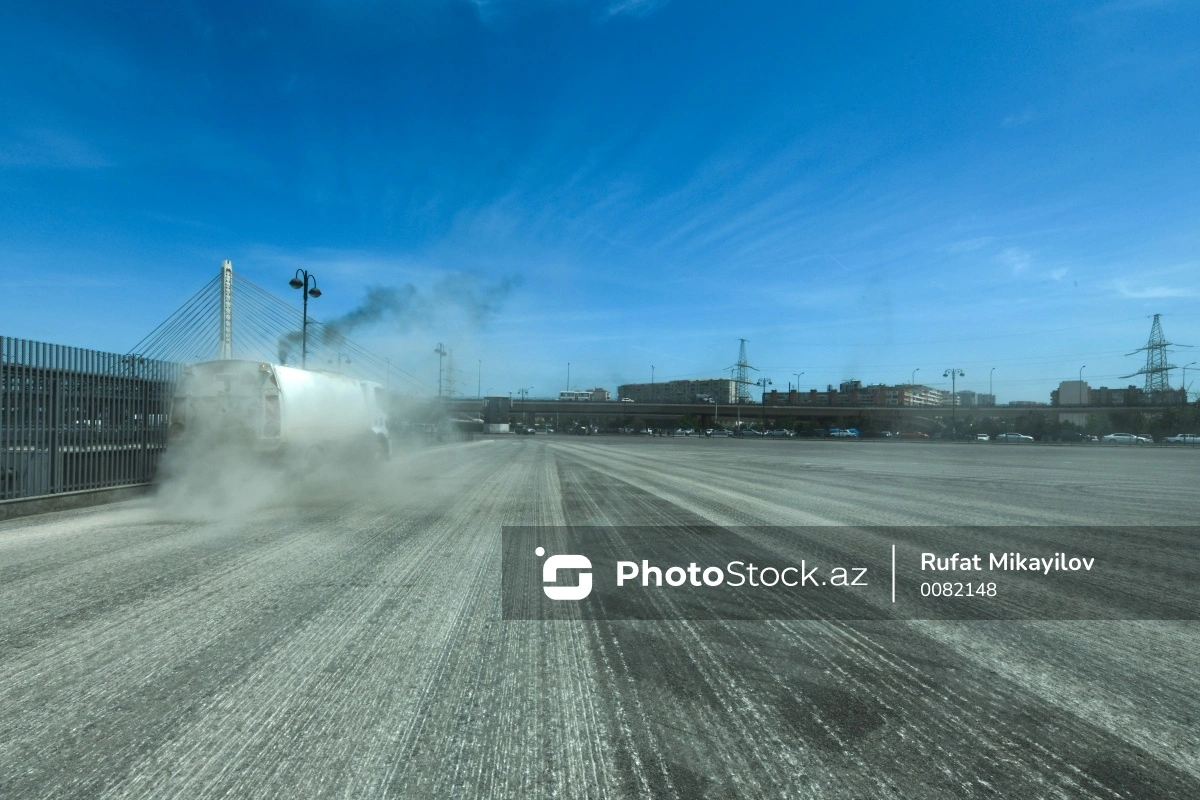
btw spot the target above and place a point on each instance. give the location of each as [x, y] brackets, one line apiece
[341, 637]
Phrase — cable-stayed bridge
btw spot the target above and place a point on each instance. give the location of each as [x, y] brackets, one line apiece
[230, 316]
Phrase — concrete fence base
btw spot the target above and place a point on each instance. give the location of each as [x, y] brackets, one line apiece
[10, 509]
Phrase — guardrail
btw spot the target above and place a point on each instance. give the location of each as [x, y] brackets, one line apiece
[73, 419]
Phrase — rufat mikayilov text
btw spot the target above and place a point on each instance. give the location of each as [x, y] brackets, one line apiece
[1006, 562]
[739, 573]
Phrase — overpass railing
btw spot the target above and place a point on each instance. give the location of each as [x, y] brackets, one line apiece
[73, 419]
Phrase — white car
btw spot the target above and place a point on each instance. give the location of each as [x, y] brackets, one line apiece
[982, 437]
[1184, 438]
[1126, 438]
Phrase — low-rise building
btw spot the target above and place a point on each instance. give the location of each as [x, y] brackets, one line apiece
[719, 390]
[1070, 393]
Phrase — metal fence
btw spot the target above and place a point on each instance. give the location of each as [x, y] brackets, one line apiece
[74, 419]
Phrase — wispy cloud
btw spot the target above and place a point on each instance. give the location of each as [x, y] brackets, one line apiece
[634, 8]
[967, 245]
[42, 148]
[1154, 292]
[359, 266]
[1129, 6]
[1015, 120]
[1016, 259]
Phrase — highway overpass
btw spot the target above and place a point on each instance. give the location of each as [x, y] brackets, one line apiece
[885, 417]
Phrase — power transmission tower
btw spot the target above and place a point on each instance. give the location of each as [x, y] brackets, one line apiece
[1157, 370]
[742, 374]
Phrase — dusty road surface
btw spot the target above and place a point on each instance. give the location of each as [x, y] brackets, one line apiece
[341, 637]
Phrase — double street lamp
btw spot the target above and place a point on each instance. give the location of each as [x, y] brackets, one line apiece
[301, 280]
[764, 383]
[952, 374]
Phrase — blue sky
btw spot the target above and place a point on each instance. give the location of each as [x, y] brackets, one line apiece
[859, 191]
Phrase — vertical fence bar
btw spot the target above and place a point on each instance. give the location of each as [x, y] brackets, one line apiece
[6, 465]
[27, 415]
[109, 379]
[87, 390]
[100, 451]
[50, 393]
[73, 419]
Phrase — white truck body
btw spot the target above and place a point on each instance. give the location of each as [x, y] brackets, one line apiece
[273, 409]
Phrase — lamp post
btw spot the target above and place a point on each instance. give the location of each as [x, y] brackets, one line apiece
[523, 393]
[1185, 389]
[991, 392]
[1081, 401]
[441, 353]
[952, 374]
[764, 383]
[479, 380]
[301, 280]
[912, 384]
[568, 376]
[797, 374]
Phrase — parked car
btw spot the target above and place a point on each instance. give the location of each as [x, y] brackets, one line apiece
[1013, 437]
[1127, 438]
[1067, 436]
[913, 435]
[982, 437]
[1183, 438]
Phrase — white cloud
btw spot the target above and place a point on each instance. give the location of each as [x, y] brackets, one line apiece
[634, 8]
[1154, 292]
[1015, 120]
[1016, 259]
[48, 149]
[967, 245]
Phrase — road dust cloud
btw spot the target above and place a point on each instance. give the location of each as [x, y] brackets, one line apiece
[209, 482]
[213, 471]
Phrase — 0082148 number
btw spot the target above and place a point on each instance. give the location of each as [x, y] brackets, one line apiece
[949, 589]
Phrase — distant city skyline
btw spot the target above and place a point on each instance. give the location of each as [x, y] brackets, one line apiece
[624, 186]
